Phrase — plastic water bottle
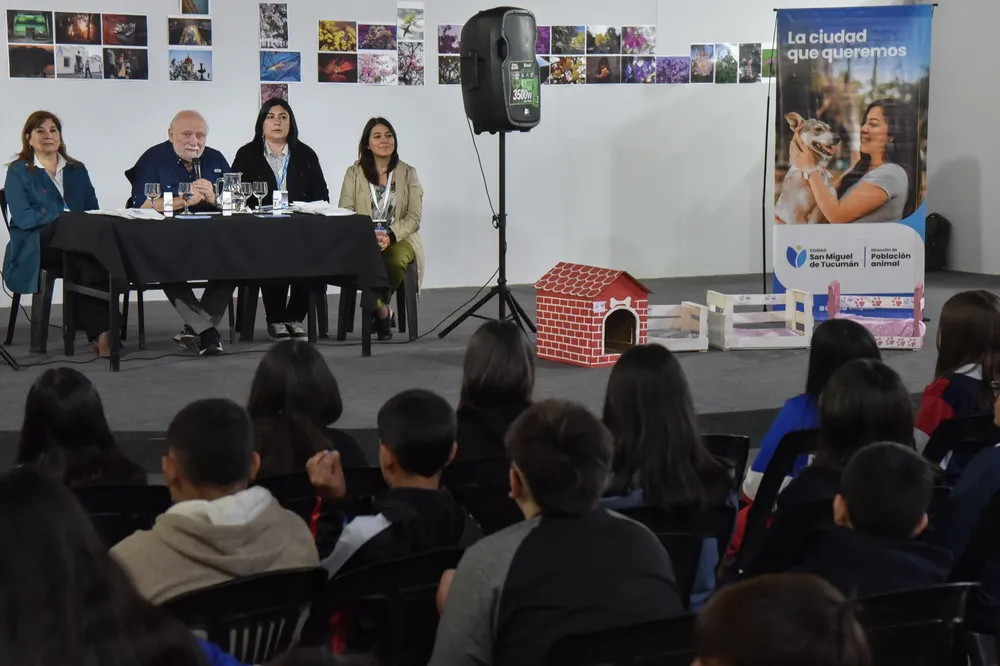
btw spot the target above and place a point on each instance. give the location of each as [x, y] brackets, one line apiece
[168, 203]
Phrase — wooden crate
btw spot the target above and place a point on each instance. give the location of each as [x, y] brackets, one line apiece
[728, 329]
[688, 319]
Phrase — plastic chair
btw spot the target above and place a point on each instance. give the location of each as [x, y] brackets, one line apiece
[734, 448]
[483, 488]
[406, 307]
[400, 595]
[252, 618]
[717, 522]
[119, 511]
[661, 643]
[972, 433]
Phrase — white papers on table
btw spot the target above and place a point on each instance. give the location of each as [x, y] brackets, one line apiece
[130, 213]
[319, 208]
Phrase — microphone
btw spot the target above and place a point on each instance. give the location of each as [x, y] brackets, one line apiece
[196, 163]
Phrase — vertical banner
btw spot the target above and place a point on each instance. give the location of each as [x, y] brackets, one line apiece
[851, 150]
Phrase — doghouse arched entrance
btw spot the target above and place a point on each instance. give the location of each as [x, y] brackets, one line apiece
[621, 328]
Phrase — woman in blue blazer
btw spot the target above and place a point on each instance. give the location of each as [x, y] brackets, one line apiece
[42, 182]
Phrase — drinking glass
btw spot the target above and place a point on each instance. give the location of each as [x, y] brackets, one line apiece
[186, 190]
[152, 192]
[260, 191]
[246, 191]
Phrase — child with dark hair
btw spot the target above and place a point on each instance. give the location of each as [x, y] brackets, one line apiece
[416, 432]
[879, 513]
[780, 620]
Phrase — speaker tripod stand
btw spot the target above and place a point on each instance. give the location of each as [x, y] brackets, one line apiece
[499, 291]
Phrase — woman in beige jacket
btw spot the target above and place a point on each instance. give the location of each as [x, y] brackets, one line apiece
[387, 189]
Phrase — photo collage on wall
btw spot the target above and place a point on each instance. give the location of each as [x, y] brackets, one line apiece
[278, 65]
[189, 39]
[76, 45]
[380, 54]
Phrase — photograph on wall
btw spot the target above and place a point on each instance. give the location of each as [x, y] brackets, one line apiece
[78, 28]
[126, 64]
[280, 66]
[673, 69]
[338, 36]
[270, 91]
[604, 69]
[79, 62]
[449, 39]
[125, 30]
[410, 21]
[338, 68]
[376, 37]
[190, 65]
[603, 39]
[639, 39]
[543, 39]
[273, 25]
[543, 68]
[411, 63]
[186, 31]
[29, 26]
[749, 63]
[569, 40]
[702, 63]
[34, 61]
[726, 66]
[195, 7]
[567, 70]
[449, 70]
[378, 68]
[769, 63]
[638, 69]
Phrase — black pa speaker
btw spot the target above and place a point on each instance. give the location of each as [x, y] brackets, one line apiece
[500, 82]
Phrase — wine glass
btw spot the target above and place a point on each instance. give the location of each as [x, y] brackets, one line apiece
[260, 191]
[186, 190]
[246, 191]
[152, 192]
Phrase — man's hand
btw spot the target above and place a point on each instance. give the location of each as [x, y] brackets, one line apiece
[203, 189]
[443, 587]
[327, 475]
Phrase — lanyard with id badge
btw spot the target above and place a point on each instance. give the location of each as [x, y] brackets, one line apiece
[380, 208]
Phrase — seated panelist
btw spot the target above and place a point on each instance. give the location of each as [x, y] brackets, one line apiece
[379, 184]
[277, 157]
[42, 182]
[184, 158]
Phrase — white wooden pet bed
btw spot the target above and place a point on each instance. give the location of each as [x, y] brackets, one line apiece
[790, 328]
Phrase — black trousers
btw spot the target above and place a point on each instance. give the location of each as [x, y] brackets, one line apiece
[89, 313]
[280, 308]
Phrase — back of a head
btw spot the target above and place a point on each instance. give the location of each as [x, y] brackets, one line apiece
[864, 402]
[499, 367]
[419, 428]
[780, 620]
[212, 442]
[969, 333]
[887, 488]
[834, 343]
[563, 453]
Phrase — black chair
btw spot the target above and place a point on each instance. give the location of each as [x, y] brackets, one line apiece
[792, 445]
[660, 643]
[483, 488]
[406, 307]
[295, 493]
[398, 597]
[252, 618]
[717, 522]
[734, 448]
[919, 627]
[119, 511]
[970, 433]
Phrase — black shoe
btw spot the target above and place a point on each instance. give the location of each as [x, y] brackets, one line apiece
[211, 342]
[383, 329]
[391, 319]
[187, 339]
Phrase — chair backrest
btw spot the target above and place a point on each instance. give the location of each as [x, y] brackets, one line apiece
[979, 429]
[734, 448]
[684, 549]
[917, 627]
[295, 493]
[3, 209]
[119, 511]
[483, 488]
[401, 597]
[660, 643]
[252, 618]
[792, 445]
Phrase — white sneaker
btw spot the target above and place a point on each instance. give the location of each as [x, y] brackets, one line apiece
[277, 331]
[297, 330]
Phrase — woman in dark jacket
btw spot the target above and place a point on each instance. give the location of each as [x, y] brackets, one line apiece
[277, 157]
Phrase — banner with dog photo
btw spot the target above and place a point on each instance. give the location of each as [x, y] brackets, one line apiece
[851, 150]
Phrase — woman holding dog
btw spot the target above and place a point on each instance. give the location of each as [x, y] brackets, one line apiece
[882, 186]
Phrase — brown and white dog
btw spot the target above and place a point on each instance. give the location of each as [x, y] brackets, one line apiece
[797, 205]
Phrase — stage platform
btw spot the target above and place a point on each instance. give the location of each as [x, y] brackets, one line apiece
[734, 391]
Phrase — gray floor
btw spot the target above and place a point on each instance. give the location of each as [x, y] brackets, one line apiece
[732, 389]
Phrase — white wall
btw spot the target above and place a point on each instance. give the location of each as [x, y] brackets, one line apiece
[661, 180]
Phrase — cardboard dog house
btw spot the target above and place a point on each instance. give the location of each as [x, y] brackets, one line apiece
[588, 315]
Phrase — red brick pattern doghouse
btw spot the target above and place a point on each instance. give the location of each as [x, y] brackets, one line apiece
[588, 316]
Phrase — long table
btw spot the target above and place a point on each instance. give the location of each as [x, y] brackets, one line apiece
[242, 248]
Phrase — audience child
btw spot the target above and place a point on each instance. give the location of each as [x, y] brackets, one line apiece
[864, 402]
[64, 599]
[66, 436]
[497, 381]
[659, 459]
[880, 512]
[780, 620]
[569, 568]
[968, 343]
[218, 529]
[416, 432]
